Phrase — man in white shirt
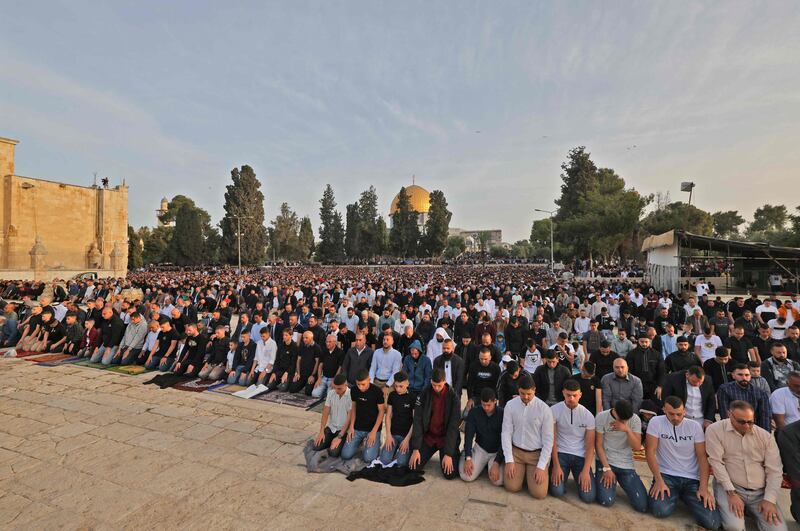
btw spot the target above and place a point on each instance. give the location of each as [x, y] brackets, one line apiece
[532, 358]
[706, 344]
[582, 323]
[335, 417]
[676, 455]
[266, 349]
[527, 440]
[785, 401]
[573, 449]
[778, 328]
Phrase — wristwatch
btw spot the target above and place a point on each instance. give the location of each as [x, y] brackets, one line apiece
[468, 458]
[605, 469]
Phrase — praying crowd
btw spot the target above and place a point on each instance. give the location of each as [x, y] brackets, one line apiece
[505, 371]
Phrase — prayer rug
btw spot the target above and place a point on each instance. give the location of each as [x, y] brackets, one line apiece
[130, 370]
[227, 389]
[86, 363]
[21, 354]
[290, 399]
[54, 362]
[196, 386]
[49, 357]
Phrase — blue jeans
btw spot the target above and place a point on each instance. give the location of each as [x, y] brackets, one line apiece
[237, 376]
[572, 464]
[630, 482]
[322, 389]
[104, 355]
[389, 456]
[686, 490]
[370, 452]
[130, 357]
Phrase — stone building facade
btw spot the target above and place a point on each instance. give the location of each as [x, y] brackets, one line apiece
[56, 230]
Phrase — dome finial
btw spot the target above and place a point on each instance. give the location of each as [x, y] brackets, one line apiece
[413, 179]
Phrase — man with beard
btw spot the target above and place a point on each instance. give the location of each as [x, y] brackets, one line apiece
[648, 365]
[777, 367]
[681, 359]
[741, 389]
[452, 366]
[434, 349]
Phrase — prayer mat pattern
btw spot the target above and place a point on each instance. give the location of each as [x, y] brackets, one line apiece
[55, 362]
[196, 386]
[24, 353]
[227, 389]
[49, 357]
[130, 370]
[86, 363]
[290, 399]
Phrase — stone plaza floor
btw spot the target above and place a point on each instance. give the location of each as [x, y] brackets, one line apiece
[82, 448]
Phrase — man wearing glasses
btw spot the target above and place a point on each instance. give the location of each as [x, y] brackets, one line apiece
[747, 470]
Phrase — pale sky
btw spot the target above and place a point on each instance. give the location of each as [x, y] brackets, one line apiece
[171, 96]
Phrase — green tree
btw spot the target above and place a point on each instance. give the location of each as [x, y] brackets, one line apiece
[726, 224]
[455, 246]
[369, 239]
[769, 218]
[243, 198]
[306, 237]
[578, 177]
[437, 226]
[404, 235]
[484, 237]
[156, 243]
[522, 249]
[352, 235]
[679, 215]
[498, 251]
[596, 212]
[284, 237]
[187, 245]
[331, 230]
[134, 249]
[383, 236]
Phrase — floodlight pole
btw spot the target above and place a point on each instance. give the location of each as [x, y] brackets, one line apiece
[552, 259]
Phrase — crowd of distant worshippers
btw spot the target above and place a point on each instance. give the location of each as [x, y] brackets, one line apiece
[546, 377]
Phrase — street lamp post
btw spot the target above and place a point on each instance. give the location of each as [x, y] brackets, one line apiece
[552, 259]
[239, 239]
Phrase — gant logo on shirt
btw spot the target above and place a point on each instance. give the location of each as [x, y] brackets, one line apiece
[679, 437]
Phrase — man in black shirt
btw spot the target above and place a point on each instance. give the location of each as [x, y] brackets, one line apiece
[681, 359]
[216, 356]
[345, 337]
[330, 364]
[111, 331]
[484, 424]
[603, 360]
[483, 374]
[739, 347]
[719, 367]
[399, 419]
[550, 377]
[191, 359]
[163, 355]
[285, 363]
[308, 355]
[763, 343]
[508, 384]
[365, 419]
[591, 390]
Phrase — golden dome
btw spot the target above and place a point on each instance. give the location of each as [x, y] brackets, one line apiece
[420, 200]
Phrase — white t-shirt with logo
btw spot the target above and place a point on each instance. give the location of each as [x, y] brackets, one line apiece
[708, 346]
[784, 402]
[778, 332]
[532, 360]
[675, 453]
[571, 426]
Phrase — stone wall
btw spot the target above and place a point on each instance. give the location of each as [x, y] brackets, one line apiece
[49, 226]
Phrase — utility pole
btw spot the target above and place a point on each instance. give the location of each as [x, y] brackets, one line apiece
[239, 239]
[552, 259]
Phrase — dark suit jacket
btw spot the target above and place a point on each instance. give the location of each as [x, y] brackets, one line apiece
[456, 371]
[675, 385]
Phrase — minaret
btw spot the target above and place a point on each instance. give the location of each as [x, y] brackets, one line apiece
[161, 211]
